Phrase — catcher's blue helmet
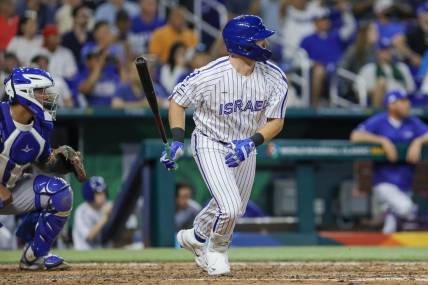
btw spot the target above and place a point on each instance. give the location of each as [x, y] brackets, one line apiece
[95, 184]
[241, 34]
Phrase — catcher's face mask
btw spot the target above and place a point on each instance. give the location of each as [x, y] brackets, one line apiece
[48, 97]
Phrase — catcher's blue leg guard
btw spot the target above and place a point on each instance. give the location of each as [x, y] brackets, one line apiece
[27, 227]
[54, 200]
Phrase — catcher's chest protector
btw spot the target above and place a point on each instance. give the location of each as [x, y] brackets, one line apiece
[20, 146]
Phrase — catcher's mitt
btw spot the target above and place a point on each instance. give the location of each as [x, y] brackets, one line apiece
[66, 158]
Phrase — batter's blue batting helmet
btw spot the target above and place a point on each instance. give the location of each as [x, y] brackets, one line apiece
[241, 34]
[95, 184]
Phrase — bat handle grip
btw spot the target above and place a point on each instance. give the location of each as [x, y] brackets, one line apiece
[167, 148]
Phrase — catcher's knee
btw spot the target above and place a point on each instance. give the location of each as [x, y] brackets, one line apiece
[57, 192]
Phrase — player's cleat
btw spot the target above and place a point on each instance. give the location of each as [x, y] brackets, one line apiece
[48, 262]
[187, 240]
[217, 262]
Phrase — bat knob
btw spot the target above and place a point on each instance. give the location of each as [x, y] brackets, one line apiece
[140, 60]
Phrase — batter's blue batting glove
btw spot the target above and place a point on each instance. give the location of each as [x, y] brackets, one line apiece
[240, 151]
[169, 159]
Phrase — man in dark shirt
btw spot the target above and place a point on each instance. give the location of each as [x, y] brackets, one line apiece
[76, 38]
[417, 37]
[415, 43]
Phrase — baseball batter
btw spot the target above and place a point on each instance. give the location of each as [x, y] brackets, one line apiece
[239, 103]
[26, 122]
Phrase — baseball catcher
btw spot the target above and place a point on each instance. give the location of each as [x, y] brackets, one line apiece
[26, 122]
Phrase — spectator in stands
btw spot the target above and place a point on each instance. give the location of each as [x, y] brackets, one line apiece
[123, 25]
[393, 179]
[174, 68]
[65, 99]
[415, 44]
[186, 209]
[362, 9]
[325, 48]
[61, 60]
[26, 44]
[44, 12]
[10, 61]
[8, 22]
[422, 75]
[107, 11]
[176, 30]
[298, 24]
[385, 74]
[64, 15]
[239, 7]
[92, 215]
[100, 79]
[272, 12]
[80, 35]
[104, 39]
[362, 51]
[143, 26]
[199, 59]
[131, 94]
[385, 26]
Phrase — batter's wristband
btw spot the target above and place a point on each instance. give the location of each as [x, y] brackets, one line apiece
[178, 134]
[257, 139]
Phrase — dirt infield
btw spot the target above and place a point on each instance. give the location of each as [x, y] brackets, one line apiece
[349, 273]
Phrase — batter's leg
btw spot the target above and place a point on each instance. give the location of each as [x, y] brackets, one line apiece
[221, 183]
[204, 221]
[244, 175]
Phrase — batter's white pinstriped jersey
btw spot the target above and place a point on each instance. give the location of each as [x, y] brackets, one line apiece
[229, 105]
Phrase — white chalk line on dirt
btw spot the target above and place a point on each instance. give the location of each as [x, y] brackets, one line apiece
[303, 279]
[282, 263]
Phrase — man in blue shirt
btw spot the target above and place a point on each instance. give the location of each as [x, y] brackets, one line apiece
[393, 179]
[386, 26]
[143, 26]
[326, 46]
[100, 78]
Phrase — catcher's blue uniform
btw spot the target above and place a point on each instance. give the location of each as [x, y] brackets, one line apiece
[46, 199]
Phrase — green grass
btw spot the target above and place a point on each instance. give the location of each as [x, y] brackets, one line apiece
[315, 253]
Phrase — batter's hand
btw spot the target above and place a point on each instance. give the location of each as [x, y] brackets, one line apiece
[414, 152]
[390, 150]
[169, 160]
[240, 151]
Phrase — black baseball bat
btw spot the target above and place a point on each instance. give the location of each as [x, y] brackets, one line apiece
[147, 83]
